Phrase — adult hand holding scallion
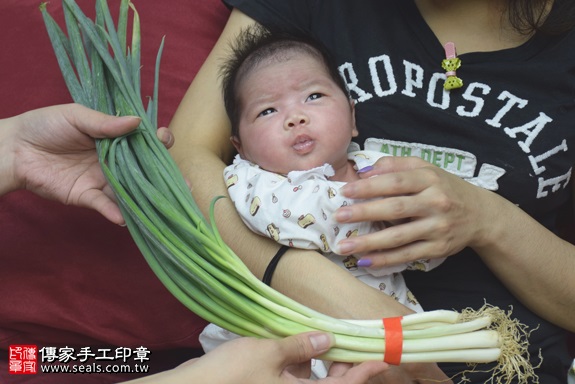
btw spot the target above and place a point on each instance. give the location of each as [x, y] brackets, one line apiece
[187, 253]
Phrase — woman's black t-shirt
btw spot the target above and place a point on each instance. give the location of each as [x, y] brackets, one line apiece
[509, 129]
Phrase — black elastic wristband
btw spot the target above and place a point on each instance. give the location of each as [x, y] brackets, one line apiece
[267, 279]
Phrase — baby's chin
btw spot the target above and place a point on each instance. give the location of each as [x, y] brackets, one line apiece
[295, 163]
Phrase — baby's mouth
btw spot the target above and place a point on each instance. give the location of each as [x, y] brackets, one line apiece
[303, 144]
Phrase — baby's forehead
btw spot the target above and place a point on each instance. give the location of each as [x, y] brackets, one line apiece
[283, 55]
[295, 72]
[278, 52]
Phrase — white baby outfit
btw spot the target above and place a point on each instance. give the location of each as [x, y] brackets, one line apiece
[297, 210]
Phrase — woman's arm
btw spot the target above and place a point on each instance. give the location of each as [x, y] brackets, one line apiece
[447, 214]
[534, 264]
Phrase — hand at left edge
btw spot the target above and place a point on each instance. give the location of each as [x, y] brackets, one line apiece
[52, 152]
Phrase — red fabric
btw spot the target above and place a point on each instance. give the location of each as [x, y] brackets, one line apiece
[67, 276]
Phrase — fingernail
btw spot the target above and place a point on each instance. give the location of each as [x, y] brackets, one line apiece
[364, 263]
[366, 169]
[346, 247]
[127, 118]
[320, 341]
[347, 190]
[167, 138]
[342, 215]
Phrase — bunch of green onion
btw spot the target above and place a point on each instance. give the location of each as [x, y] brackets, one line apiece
[185, 250]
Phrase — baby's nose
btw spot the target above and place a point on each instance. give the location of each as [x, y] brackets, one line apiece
[296, 120]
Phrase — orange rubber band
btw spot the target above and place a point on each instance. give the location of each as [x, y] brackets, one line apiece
[393, 340]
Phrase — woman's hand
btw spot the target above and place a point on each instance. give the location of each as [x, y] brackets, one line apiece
[51, 152]
[261, 361]
[283, 361]
[435, 213]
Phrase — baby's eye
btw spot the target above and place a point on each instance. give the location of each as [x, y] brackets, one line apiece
[315, 96]
[266, 112]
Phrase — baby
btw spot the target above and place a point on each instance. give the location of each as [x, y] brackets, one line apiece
[292, 126]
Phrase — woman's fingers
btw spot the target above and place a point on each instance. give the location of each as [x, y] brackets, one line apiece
[390, 184]
[382, 209]
[165, 136]
[432, 213]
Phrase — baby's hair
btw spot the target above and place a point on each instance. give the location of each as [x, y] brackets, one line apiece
[256, 45]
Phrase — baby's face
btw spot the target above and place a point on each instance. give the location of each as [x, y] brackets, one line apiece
[294, 116]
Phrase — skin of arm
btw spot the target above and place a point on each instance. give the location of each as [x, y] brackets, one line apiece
[537, 267]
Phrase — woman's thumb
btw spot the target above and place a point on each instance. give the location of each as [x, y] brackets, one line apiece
[305, 346]
[99, 125]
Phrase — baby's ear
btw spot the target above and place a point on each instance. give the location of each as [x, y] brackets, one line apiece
[237, 144]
